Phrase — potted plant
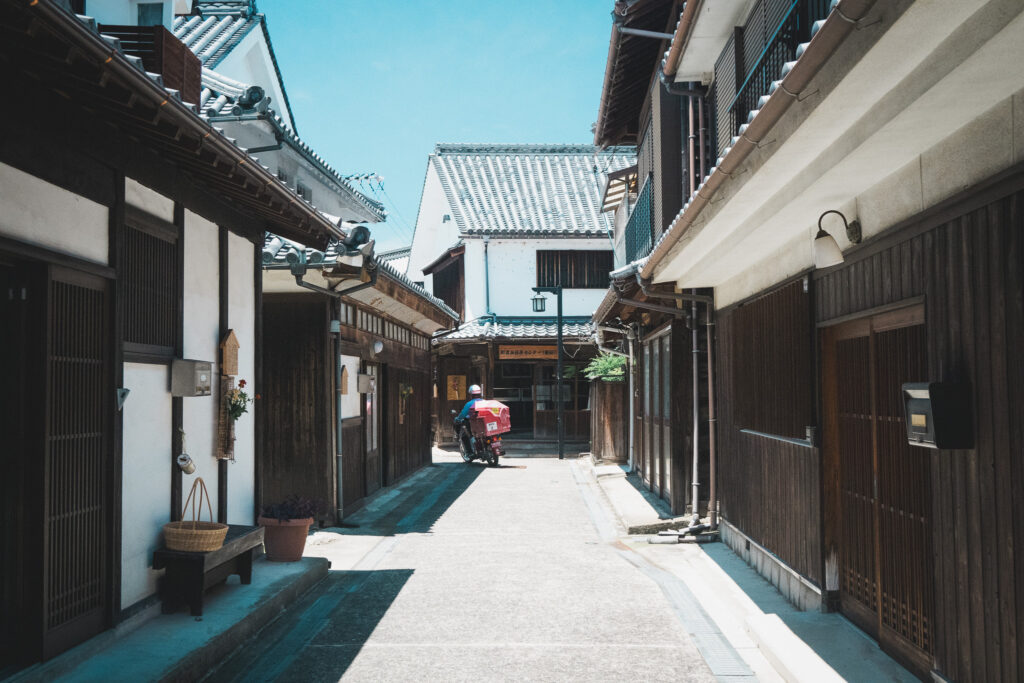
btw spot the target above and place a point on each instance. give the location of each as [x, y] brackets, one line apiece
[286, 525]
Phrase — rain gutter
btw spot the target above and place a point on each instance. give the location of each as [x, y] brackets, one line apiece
[797, 75]
[680, 39]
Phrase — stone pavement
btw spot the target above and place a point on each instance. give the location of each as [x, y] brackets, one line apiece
[473, 573]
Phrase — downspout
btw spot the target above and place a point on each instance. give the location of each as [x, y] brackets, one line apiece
[338, 389]
[712, 422]
[487, 277]
[695, 344]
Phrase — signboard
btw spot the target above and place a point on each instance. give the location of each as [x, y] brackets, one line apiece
[456, 387]
[527, 352]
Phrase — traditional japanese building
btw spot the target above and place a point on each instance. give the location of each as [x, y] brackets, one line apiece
[494, 222]
[131, 242]
[851, 198]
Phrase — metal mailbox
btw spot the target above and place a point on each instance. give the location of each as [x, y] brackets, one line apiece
[191, 377]
[938, 415]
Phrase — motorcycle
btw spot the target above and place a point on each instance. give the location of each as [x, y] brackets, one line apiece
[479, 436]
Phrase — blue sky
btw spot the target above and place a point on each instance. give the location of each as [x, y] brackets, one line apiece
[373, 85]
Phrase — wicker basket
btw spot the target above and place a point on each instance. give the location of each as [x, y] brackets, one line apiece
[195, 536]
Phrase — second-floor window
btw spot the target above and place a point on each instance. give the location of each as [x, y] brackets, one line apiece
[151, 13]
[574, 269]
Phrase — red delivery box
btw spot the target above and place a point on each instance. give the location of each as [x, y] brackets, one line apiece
[489, 418]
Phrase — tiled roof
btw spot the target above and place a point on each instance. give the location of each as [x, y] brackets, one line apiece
[546, 190]
[395, 254]
[397, 259]
[216, 27]
[276, 250]
[520, 328]
[225, 99]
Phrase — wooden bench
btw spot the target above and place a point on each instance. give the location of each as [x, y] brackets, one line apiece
[190, 574]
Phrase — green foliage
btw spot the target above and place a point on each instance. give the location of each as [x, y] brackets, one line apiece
[607, 367]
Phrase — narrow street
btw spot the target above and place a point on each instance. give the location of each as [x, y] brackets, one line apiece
[473, 573]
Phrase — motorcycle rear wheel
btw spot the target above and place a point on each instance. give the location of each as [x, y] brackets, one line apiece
[492, 459]
[467, 455]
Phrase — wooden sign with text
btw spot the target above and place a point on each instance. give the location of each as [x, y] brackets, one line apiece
[456, 387]
[527, 352]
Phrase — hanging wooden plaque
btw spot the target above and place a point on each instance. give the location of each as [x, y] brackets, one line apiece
[229, 354]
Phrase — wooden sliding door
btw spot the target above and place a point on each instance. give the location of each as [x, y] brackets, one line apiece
[881, 486]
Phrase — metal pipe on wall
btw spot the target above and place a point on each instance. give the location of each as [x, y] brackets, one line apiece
[691, 148]
[702, 139]
[630, 341]
[695, 341]
[712, 421]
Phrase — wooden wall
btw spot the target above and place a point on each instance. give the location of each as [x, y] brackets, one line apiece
[609, 421]
[406, 426]
[353, 482]
[767, 488]
[296, 402]
[967, 260]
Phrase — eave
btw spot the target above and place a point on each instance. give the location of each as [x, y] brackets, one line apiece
[49, 49]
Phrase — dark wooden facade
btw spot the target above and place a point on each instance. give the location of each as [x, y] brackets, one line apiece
[609, 413]
[302, 434]
[296, 400]
[938, 573]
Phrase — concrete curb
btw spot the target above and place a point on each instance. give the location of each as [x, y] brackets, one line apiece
[792, 657]
[199, 662]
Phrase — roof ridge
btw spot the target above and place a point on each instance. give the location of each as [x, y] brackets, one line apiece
[526, 148]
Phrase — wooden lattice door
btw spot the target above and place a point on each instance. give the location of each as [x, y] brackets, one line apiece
[883, 533]
[76, 511]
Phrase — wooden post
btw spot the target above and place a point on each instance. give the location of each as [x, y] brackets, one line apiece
[222, 465]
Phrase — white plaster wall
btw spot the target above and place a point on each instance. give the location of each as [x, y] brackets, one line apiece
[145, 476]
[241, 318]
[140, 196]
[124, 12]
[45, 215]
[201, 341]
[513, 274]
[350, 402]
[432, 235]
[976, 151]
[249, 62]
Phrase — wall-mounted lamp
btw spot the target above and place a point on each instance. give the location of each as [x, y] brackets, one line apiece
[826, 250]
[335, 327]
[378, 346]
[539, 303]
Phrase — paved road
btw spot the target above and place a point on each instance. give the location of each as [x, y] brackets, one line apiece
[506, 573]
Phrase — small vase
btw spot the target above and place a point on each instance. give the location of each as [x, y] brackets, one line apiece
[284, 541]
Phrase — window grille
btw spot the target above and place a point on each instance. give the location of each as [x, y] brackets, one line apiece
[574, 269]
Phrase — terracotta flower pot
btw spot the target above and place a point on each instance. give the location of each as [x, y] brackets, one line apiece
[285, 541]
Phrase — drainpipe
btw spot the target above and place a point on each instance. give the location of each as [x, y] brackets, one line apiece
[694, 342]
[691, 148]
[338, 459]
[487, 277]
[712, 421]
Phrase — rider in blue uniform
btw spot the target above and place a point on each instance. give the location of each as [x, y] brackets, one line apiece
[475, 393]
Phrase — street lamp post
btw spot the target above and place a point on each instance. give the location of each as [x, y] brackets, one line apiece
[539, 305]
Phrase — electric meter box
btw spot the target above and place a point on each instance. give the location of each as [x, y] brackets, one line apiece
[367, 384]
[938, 415]
[191, 377]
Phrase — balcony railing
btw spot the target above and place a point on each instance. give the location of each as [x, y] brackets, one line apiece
[161, 53]
[753, 58]
[638, 228]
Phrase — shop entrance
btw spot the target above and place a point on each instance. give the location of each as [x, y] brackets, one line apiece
[513, 386]
[880, 491]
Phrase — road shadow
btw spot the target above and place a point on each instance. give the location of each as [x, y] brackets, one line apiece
[319, 637]
[413, 506]
[844, 647]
